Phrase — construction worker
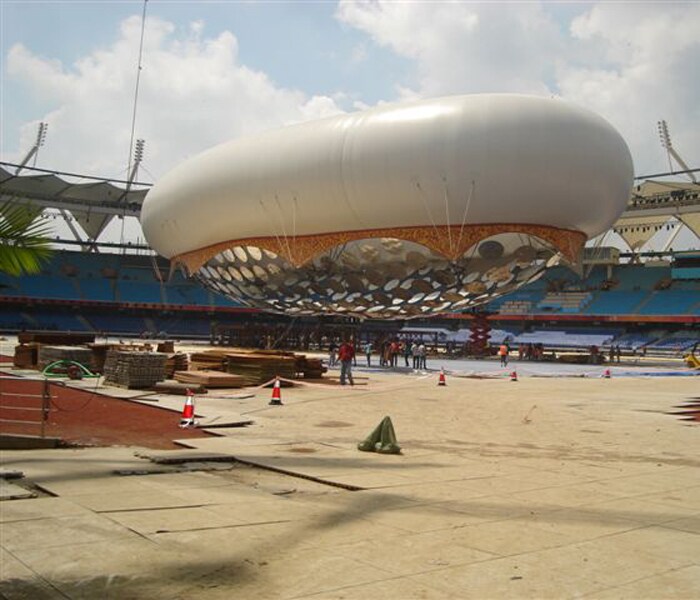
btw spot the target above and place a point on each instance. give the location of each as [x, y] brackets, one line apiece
[368, 353]
[503, 353]
[346, 354]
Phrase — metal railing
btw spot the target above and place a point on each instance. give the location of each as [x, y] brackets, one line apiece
[42, 403]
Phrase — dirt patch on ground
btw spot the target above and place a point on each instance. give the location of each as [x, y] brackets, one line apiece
[333, 424]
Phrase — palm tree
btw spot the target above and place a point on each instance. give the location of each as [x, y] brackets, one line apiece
[24, 244]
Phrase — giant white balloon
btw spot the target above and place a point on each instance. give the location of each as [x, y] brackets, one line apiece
[398, 211]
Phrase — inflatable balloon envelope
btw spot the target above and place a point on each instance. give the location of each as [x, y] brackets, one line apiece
[400, 211]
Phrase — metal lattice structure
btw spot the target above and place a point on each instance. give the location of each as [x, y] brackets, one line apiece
[90, 202]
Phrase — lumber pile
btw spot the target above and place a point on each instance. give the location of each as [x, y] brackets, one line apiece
[175, 388]
[100, 351]
[256, 369]
[99, 355]
[309, 368]
[209, 360]
[134, 369]
[176, 362]
[210, 379]
[50, 354]
[26, 356]
[167, 346]
[258, 366]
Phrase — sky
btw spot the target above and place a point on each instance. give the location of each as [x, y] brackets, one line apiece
[214, 71]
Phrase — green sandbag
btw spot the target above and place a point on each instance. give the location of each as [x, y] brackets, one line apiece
[382, 439]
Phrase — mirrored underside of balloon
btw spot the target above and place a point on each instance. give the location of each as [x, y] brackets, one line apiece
[381, 278]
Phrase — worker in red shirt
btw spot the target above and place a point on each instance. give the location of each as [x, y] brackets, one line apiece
[346, 354]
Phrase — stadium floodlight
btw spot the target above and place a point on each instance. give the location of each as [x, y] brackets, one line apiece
[139, 147]
[40, 139]
[138, 151]
[667, 144]
[41, 134]
[665, 137]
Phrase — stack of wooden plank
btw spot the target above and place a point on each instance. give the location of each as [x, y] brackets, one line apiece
[309, 368]
[210, 360]
[178, 389]
[258, 366]
[26, 356]
[50, 354]
[257, 369]
[176, 362]
[99, 353]
[168, 347]
[210, 379]
[134, 369]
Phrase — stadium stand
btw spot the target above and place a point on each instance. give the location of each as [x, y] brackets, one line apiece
[117, 324]
[615, 303]
[677, 302]
[635, 341]
[676, 342]
[54, 321]
[567, 302]
[137, 295]
[102, 290]
[9, 286]
[565, 339]
[102, 278]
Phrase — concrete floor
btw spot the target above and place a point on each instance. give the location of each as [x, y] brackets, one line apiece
[555, 487]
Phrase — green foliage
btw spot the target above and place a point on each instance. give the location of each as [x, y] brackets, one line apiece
[24, 244]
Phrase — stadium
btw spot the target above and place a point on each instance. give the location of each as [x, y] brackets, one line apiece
[641, 299]
[556, 475]
[206, 387]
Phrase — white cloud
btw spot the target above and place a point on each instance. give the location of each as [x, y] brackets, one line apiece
[647, 71]
[359, 54]
[462, 47]
[194, 93]
[634, 63]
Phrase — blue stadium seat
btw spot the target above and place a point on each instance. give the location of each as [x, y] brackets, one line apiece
[9, 286]
[133, 291]
[97, 289]
[117, 324]
[672, 302]
[46, 286]
[615, 302]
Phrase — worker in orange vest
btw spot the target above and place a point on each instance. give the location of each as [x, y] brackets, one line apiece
[503, 353]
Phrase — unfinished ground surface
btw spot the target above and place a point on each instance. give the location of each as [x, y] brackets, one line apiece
[541, 488]
[88, 417]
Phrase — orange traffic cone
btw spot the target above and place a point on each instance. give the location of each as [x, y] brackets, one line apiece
[276, 399]
[187, 419]
[514, 376]
[441, 379]
[606, 374]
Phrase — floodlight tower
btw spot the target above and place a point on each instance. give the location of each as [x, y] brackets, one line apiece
[665, 137]
[138, 157]
[40, 139]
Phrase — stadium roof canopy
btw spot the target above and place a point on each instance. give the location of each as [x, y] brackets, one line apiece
[652, 204]
[93, 202]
